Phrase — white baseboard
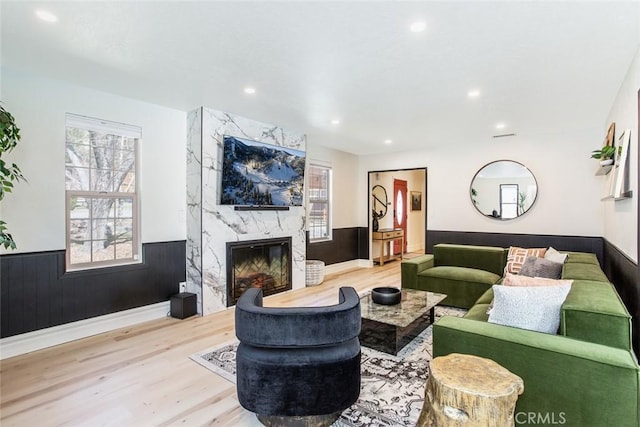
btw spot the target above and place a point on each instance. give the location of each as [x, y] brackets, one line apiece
[36, 340]
[347, 265]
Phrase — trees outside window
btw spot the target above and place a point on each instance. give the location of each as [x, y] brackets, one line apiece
[101, 192]
[319, 203]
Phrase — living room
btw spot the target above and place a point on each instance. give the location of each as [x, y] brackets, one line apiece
[560, 109]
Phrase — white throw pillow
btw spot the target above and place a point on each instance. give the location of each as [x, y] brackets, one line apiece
[555, 256]
[536, 308]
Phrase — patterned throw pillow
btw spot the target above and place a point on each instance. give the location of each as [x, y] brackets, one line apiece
[516, 257]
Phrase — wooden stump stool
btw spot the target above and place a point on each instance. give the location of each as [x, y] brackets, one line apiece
[465, 390]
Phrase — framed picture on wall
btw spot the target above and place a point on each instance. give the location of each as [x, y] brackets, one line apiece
[609, 139]
[621, 171]
[416, 201]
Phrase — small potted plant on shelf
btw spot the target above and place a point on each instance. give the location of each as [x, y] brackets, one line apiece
[605, 155]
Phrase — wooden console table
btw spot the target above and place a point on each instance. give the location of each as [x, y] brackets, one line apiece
[386, 237]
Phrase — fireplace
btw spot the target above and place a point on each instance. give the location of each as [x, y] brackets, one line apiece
[262, 264]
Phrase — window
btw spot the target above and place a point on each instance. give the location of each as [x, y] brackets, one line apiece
[508, 201]
[319, 214]
[101, 193]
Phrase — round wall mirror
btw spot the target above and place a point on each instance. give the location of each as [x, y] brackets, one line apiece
[379, 200]
[503, 189]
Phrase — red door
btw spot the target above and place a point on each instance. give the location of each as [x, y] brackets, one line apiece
[400, 213]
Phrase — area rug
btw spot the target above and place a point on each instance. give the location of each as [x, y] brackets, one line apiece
[392, 388]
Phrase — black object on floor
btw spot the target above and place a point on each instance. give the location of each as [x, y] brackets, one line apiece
[183, 305]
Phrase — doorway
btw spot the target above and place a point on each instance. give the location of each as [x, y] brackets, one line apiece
[400, 214]
[413, 216]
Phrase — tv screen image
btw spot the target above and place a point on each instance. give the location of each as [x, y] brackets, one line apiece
[255, 173]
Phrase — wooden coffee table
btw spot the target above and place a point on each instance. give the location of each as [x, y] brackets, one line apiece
[389, 328]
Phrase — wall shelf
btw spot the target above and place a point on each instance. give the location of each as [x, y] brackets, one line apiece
[618, 174]
[623, 196]
[604, 170]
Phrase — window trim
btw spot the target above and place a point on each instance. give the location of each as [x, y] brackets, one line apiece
[329, 203]
[121, 129]
[135, 238]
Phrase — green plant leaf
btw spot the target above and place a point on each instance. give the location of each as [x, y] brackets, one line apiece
[9, 138]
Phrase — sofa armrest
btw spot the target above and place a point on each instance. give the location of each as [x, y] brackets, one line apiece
[411, 267]
[582, 383]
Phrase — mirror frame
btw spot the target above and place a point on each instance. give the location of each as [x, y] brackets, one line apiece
[471, 195]
[385, 203]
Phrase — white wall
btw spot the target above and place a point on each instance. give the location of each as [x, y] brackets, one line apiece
[345, 176]
[621, 217]
[35, 212]
[416, 219]
[568, 195]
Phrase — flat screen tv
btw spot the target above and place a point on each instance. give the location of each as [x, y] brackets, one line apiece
[259, 174]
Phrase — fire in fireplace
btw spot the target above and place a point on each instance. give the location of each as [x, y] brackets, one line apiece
[262, 264]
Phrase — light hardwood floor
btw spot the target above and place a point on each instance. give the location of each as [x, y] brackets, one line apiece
[142, 375]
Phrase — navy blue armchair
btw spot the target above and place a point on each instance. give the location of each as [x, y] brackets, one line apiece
[301, 363]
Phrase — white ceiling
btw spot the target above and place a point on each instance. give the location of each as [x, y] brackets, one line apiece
[542, 67]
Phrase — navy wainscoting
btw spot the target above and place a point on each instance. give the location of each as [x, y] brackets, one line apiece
[347, 244]
[625, 276]
[36, 293]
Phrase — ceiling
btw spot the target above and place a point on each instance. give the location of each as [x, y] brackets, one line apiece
[541, 67]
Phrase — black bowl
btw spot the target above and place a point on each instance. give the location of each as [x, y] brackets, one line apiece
[386, 295]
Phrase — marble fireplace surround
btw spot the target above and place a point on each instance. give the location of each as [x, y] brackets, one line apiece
[210, 225]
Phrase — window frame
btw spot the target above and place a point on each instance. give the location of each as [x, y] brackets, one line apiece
[503, 204]
[107, 127]
[327, 201]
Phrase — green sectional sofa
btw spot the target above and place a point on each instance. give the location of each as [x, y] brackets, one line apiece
[462, 272]
[586, 375]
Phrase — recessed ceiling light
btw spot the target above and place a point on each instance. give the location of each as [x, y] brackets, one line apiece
[418, 27]
[388, 141]
[473, 93]
[500, 126]
[46, 16]
[249, 90]
[335, 122]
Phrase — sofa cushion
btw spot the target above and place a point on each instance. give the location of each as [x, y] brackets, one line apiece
[462, 274]
[517, 255]
[463, 286]
[486, 298]
[582, 257]
[540, 267]
[533, 308]
[582, 271]
[594, 312]
[478, 312]
[409, 269]
[487, 258]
